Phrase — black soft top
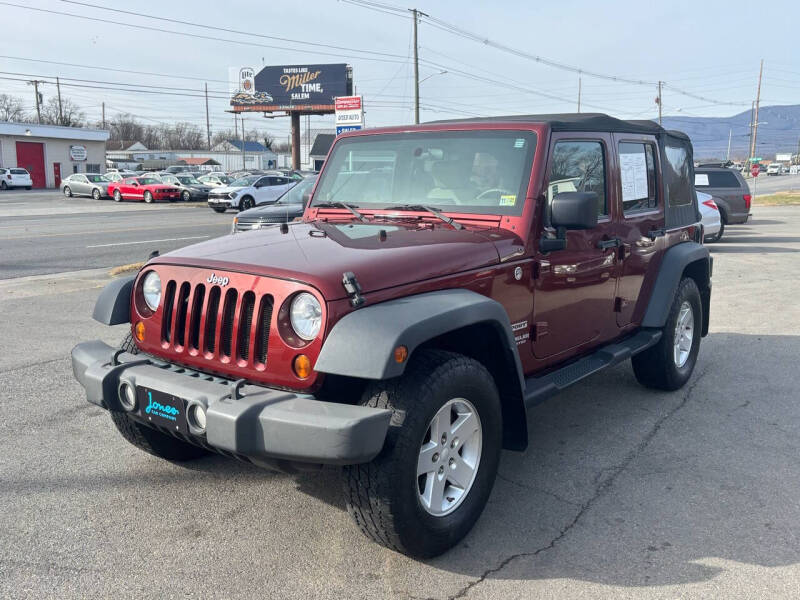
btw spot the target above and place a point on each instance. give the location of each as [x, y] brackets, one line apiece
[578, 122]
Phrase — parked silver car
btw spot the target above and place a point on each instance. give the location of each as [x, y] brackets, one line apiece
[85, 184]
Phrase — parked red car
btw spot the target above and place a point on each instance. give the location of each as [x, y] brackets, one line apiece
[148, 189]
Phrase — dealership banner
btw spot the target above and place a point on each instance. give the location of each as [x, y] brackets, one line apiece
[311, 88]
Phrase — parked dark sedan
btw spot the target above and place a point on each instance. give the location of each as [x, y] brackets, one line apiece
[289, 207]
[191, 189]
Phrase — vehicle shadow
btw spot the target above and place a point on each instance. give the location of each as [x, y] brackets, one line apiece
[717, 248]
[626, 486]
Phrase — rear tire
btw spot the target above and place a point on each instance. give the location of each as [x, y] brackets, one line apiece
[3, 185]
[668, 365]
[67, 192]
[186, 196]
[152, 441]
[96, 194]
[395, 499]
[27, 187]
[717, 236]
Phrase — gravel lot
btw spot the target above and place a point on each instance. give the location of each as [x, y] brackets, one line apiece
[623, 492]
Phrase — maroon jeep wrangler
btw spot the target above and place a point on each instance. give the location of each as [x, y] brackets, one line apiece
[444, 279]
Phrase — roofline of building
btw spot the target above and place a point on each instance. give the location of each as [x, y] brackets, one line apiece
[53, 131]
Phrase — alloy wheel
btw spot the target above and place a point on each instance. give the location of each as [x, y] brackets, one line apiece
[684, 334]
[449, 457]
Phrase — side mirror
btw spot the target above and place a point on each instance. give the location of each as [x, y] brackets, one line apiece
[570, 210]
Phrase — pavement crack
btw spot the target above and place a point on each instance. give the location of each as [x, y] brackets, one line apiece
[534, 488]
[33, 364]
[603, 487]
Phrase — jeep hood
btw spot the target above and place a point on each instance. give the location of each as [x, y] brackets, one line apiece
[319, 253]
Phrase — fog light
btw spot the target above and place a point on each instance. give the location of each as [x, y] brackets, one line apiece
[197, 416]
[139, 331]
[302, 366]
[127, 396]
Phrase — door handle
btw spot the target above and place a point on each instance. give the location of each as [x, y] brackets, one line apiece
[606, 244]
[656, 233]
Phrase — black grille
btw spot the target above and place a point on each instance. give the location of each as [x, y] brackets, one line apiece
[245, 321]
[180, 317]
[211, 319]
[226, 334]
[197, 312]
[166, 324]
[262, 334]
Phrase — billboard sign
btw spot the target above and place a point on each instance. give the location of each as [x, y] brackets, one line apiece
[302, 88]
[783, 157]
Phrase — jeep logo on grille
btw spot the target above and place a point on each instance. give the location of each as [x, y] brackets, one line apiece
[221, 281]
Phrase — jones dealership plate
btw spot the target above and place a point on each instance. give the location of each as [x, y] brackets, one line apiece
[162, 409]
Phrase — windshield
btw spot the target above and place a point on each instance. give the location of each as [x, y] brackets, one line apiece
[186, 180]
[246, 181]
[97, 178]
[457, 171]
[295, 195]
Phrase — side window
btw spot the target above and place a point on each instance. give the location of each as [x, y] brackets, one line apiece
[678, 184]
[637, 171]
[262, 182]
[579, 166]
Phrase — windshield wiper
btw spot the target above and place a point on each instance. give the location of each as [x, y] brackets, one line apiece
[434, 211]
[349, 207]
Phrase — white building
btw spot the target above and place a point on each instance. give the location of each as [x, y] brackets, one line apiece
[51, 152]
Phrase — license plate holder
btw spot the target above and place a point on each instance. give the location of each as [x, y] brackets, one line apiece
[162, 409]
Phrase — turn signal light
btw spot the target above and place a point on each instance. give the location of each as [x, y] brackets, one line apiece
[400, 354]
[138, 330]
[302, 366]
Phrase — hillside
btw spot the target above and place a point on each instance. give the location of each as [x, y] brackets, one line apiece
[778, 131]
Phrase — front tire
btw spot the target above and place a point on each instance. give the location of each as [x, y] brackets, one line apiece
[246, 203]
[147, 439]
[148, 197]
[711, 239]
[3, 185]
[117, 196]
[96, 194]
[669, 364]
[186, 196]
[218, 209]
[426, 489]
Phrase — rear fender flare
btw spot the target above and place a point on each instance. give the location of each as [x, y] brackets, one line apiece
[674, 264]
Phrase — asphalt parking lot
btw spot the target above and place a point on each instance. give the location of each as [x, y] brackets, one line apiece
[623, 492]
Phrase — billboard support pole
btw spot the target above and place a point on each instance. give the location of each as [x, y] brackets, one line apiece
[296, 141]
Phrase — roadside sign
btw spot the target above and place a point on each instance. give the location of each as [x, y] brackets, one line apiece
[754, 170]
[340, 129]
[349, 113]
[756, 159]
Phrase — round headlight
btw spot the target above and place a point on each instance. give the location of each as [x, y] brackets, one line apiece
[151, 290]
[306, 316]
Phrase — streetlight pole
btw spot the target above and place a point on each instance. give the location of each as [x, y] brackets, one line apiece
[415, 15]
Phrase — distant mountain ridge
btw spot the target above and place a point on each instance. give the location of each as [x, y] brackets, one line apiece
[778, 131]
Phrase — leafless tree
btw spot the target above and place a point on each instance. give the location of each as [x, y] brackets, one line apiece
[70, 114]
[11, 108]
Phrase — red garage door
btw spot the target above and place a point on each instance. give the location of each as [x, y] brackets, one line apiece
[30, 156]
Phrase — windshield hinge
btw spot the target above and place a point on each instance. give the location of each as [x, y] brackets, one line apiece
[353, 289]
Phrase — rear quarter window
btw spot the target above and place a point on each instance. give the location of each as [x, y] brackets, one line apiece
[716, 179]
[19, 172]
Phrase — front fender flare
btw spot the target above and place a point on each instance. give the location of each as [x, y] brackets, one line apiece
[113, 306]
[362, 343]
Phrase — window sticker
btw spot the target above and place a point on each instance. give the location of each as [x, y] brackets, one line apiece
[633, 172]
[519, 143]
[701, 179]
[508, 200]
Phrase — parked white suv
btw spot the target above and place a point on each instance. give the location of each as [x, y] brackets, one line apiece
[257, 189]
[15, 177]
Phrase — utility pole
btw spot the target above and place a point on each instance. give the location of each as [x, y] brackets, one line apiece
[579, 94]
[730, 135]
[659, 101]
[103, 104]
[35, 84]
[752, 122]
[416, 14]
[60, 109]
[755, 116]
[208, 123]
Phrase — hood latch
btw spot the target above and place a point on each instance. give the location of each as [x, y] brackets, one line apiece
[353, 289]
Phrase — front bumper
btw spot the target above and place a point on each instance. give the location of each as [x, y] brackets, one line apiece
[217, 202]
[263, 424]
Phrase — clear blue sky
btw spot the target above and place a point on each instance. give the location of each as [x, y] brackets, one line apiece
[710, 49]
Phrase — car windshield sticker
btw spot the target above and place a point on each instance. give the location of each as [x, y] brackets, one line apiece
[508, 200]
[519, 143]
[701, 179]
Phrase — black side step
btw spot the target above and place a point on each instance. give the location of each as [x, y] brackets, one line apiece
[537, 389]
